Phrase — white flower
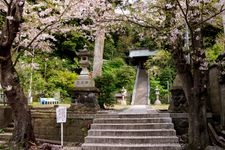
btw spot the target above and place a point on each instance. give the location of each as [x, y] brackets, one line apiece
[9, 17]
[168, 6]
[198, 29]
[197, 38]
[21, 3]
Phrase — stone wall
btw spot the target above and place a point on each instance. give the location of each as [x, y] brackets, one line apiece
[75, 129]
[222, 96]
[5, 116]
[214, 90]
[180, 121]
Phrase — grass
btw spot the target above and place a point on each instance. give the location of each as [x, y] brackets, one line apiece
[119, 107]
[161, 107]
[157, 107]
[116, 106]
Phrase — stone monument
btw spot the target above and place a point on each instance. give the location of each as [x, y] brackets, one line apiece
[178, 101]
[84, 95]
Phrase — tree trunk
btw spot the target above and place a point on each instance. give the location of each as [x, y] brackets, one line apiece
[198, 135]
[23, 132]
[98, 52]
[194, 86]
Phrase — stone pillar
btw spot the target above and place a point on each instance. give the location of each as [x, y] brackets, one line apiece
[214, 90]
[98, 52]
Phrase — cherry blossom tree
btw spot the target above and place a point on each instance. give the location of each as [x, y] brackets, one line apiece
[190, 60]
[169, 21]
[23, 132]
[52, 16]
[29, 26]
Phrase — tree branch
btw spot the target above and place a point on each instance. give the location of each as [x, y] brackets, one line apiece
[185, 15]
[43, 30]
[214, 15]
[5, 1]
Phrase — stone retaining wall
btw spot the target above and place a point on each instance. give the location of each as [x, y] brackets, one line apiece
[75, 129]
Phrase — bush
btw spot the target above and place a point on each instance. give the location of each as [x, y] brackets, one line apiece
[106, 85]
[116, 74]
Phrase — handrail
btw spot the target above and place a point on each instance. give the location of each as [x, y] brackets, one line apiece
[135, 86]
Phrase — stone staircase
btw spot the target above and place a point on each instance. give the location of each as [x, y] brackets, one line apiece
[6, 135]
[141, 94]
[130, 130]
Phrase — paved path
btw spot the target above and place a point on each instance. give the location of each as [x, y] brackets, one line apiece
[138, 109]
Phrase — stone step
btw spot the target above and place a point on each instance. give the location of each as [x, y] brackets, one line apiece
[146, 132]
[132, 120]
[133, 126]
[126, 115]
[132, 139]
[2, 143]
[11, 125]
[5, 136]
[93, 146]
[8, 129]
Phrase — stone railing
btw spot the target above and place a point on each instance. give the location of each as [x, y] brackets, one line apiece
[135, 85]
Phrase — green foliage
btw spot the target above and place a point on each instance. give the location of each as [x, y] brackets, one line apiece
[213, 52]
[161, 72]
[162, 90]
[105, 84]
[48, 77]
[62, 80]
[210, 33]
[131, 37]
[1, 130]
[110, 50]
[166, 75]
[125, 77]
[113, 64]
[67, 44]
[2, 18]
[116, 74]
[161, 59]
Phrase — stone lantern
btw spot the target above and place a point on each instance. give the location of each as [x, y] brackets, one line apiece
[84, 79]
[84, 95]
[157, 102]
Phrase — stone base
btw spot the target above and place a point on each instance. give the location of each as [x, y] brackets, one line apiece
[84, 108]
[122, 102]
[178, 102]
[157, 102]
[85, 95]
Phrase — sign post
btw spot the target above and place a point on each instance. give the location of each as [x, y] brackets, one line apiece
[61, 114]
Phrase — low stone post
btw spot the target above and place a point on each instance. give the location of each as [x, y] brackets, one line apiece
[157, 102]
